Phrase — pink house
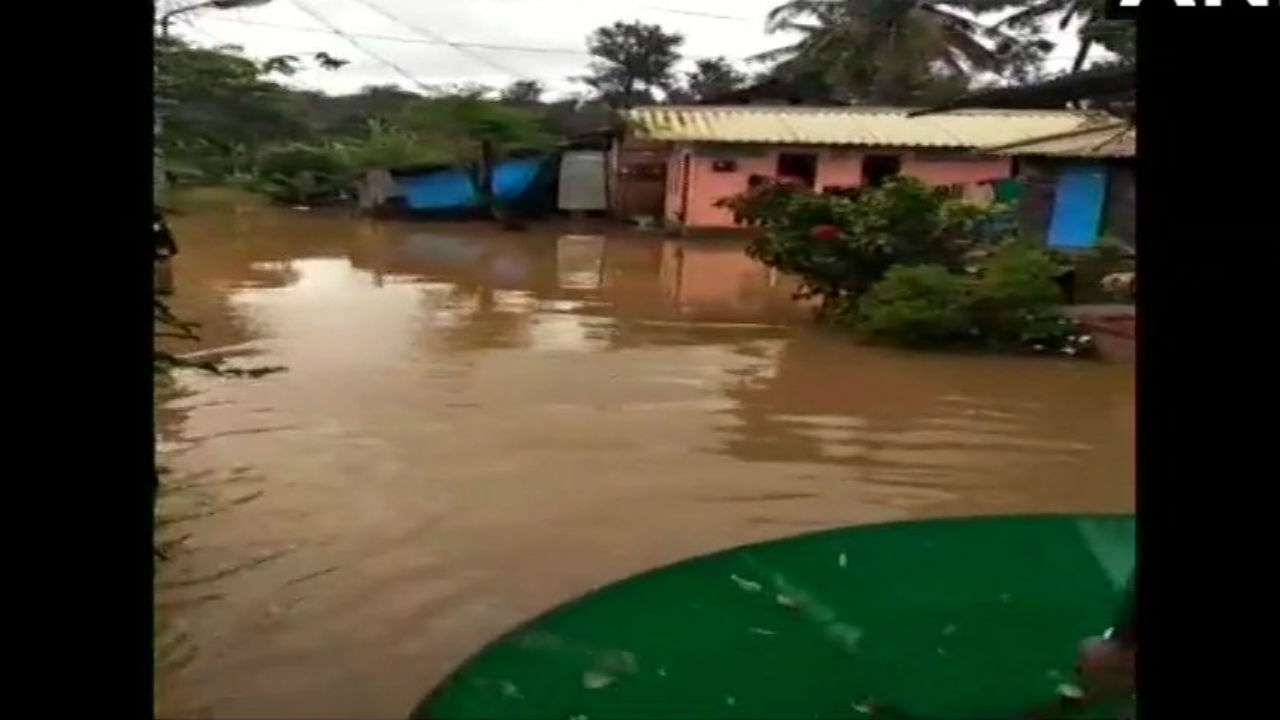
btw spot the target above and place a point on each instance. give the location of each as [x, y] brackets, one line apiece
[712, 151]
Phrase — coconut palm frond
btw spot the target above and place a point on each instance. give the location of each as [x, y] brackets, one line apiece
[792, 10]
[1082, 8]
[1085, 44]
[785, 52]
[977, 54]
[971, 27]
[1033, 14]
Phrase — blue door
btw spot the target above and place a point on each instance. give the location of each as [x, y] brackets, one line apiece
[1077, 207]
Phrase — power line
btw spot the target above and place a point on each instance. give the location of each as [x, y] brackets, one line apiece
[695, 13]
[410, 40]
[436, 36]
[338, 31]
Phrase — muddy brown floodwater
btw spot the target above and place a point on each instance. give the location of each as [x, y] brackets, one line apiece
[477, 425]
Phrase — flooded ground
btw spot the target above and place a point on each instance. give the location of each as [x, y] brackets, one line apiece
[477, 425]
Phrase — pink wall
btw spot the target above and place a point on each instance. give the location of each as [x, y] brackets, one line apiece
[709, 186]
[836, 166]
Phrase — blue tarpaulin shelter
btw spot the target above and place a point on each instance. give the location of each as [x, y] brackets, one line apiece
[517, 182]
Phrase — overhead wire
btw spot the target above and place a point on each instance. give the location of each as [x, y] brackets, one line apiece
[695, 13]
[410, 40]
[359, 46]
[430, 37]
[440, 38]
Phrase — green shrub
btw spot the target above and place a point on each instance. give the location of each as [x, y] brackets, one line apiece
[918, 306]
[387, 146]
[1015, 295]
[1009, 302]
[300, 173]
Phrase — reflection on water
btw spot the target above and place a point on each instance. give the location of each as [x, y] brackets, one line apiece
[476, 426]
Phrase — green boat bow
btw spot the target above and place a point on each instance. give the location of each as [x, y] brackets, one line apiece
[966, 618]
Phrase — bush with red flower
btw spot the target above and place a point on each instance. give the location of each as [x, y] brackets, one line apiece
[973, 286]
[840, 245]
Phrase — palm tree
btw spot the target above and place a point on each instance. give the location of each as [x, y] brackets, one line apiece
[1115, 35]
[892, 50]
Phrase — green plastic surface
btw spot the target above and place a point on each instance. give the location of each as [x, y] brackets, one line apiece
[970, 618]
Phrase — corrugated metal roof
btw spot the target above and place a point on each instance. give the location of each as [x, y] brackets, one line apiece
[867, 126]
[1112, 140]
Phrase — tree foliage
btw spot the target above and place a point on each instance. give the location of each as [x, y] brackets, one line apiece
[712, 77]
[896, 52]
[1117, 36]
[458, 126]
[633, 59]
[216, 104]
[906, 263]
[1010, 302]
[523, 92]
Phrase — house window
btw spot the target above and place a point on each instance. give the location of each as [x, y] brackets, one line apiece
[724, 166]
[798, 167]
[877, 168]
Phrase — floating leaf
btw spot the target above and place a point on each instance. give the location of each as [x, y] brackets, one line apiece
[1068, 690]
[510, 690]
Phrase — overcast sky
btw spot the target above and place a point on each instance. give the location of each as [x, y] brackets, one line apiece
[411, 32]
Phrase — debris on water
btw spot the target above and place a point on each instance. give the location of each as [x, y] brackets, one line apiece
[949, 630]
[846, 635]
[621, 662]
[1006, 598]
[579, 717]
[1068, 690]
[785, 601]
[593, 680]
[941, 651]
[509, 689]
[865, 707]
[730, 700]
[761, 631]
[662, 672]
[843, 560]
[748, 585]
[1053, 674]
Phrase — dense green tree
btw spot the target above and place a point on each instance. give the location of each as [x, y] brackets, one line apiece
[712, 77]
[217, 106]
[633, 60]
[894, 51]
[523, 92]
[347, 116]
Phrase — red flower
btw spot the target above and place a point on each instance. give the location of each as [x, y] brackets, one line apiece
[826, 233]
